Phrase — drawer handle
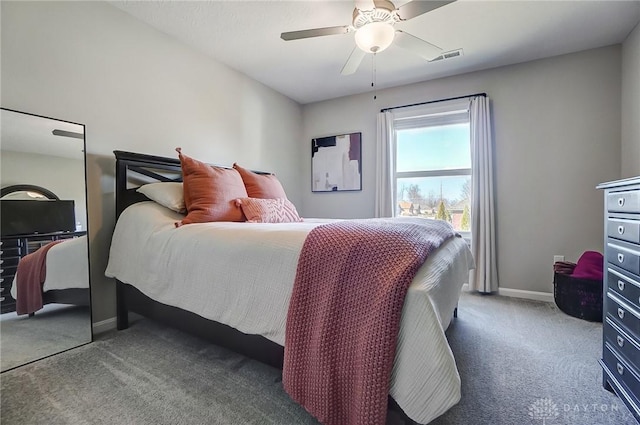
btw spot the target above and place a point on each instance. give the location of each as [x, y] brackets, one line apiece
[621, 230]
[620, 341]
[620, 313]
[620, 257]
[620, 368]
[620, 202]
[621, 285]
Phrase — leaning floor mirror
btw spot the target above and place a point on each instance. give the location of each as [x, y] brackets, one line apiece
[44, 271]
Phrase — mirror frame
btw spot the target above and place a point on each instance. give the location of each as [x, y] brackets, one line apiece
[50, 195]
[28, 188]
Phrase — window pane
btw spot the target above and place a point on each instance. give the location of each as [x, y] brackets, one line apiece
[446, 198]
[444, 147]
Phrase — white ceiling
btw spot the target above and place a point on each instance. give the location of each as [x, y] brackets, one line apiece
[27, 133]
[245, 35]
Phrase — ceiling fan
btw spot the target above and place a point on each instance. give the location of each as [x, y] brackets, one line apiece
[64, 133]
[373, 23]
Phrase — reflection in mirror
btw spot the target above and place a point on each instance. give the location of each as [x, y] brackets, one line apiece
[44, 270]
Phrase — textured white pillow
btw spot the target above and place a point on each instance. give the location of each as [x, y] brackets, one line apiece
[168, 194]
[258, 210]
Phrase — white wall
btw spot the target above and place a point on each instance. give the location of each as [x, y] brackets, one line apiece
[631, 104]
[140, 90]
[557, 135]
[62, 176]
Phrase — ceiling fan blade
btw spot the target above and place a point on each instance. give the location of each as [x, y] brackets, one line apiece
[355, 58]
[418, 7]
[316, 32]
[416, 45]
[65, 133]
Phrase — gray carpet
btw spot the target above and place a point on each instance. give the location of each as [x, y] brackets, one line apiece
[53, 329]
[513, 355]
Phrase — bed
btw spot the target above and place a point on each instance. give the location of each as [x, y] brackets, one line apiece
[67, 273]
[231, 283]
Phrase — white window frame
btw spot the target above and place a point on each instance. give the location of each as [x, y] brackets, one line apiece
[423, 119]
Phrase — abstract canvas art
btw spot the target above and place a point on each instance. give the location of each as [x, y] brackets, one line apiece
[336, 163]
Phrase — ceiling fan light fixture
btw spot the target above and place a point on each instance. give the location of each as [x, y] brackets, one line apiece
[374, 37]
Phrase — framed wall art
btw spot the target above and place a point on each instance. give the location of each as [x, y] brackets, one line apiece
[336, 163]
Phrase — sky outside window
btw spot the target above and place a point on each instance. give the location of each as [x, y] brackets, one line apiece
[443, 147]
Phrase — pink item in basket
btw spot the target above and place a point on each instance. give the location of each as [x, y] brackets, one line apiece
[589, 266]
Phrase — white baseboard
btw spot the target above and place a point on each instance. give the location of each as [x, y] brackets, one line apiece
[104, 325]
[521, 293]
[530, 295]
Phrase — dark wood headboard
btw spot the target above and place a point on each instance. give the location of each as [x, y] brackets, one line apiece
[135, 169]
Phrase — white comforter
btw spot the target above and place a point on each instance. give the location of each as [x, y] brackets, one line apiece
[67, 266]
[242, 274]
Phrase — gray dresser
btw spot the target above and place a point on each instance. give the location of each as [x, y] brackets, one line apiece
[621, 307]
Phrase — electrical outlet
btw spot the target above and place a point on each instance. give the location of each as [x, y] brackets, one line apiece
[557, 258]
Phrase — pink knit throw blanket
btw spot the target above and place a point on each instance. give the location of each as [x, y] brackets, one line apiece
[32, 271]
[344, 314]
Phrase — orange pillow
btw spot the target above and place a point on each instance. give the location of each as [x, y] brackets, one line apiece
[265, 186]
[210, 192]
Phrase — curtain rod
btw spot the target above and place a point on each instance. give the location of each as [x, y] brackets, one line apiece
[433, 101]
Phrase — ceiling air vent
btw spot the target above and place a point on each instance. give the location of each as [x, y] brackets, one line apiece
[448, 55]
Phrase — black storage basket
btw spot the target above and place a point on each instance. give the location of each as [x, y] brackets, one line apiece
[581, 298]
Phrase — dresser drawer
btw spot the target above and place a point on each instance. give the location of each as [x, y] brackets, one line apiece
[10, 253]
[626, 230]
[6, 279]
[10, 243]
[624, 255]
[9, 262]
[624, 284]
[621, 369]
[5, 292]
[7, 272]
[624, 201]
[623, 314]
[623, 343]
[7, 304]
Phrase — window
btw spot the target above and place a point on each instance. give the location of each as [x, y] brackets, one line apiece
[433, 167]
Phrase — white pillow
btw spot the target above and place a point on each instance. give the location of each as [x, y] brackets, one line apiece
[168, 194]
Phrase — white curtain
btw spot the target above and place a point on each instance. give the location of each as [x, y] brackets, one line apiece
[385, 162]
[485, 276]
